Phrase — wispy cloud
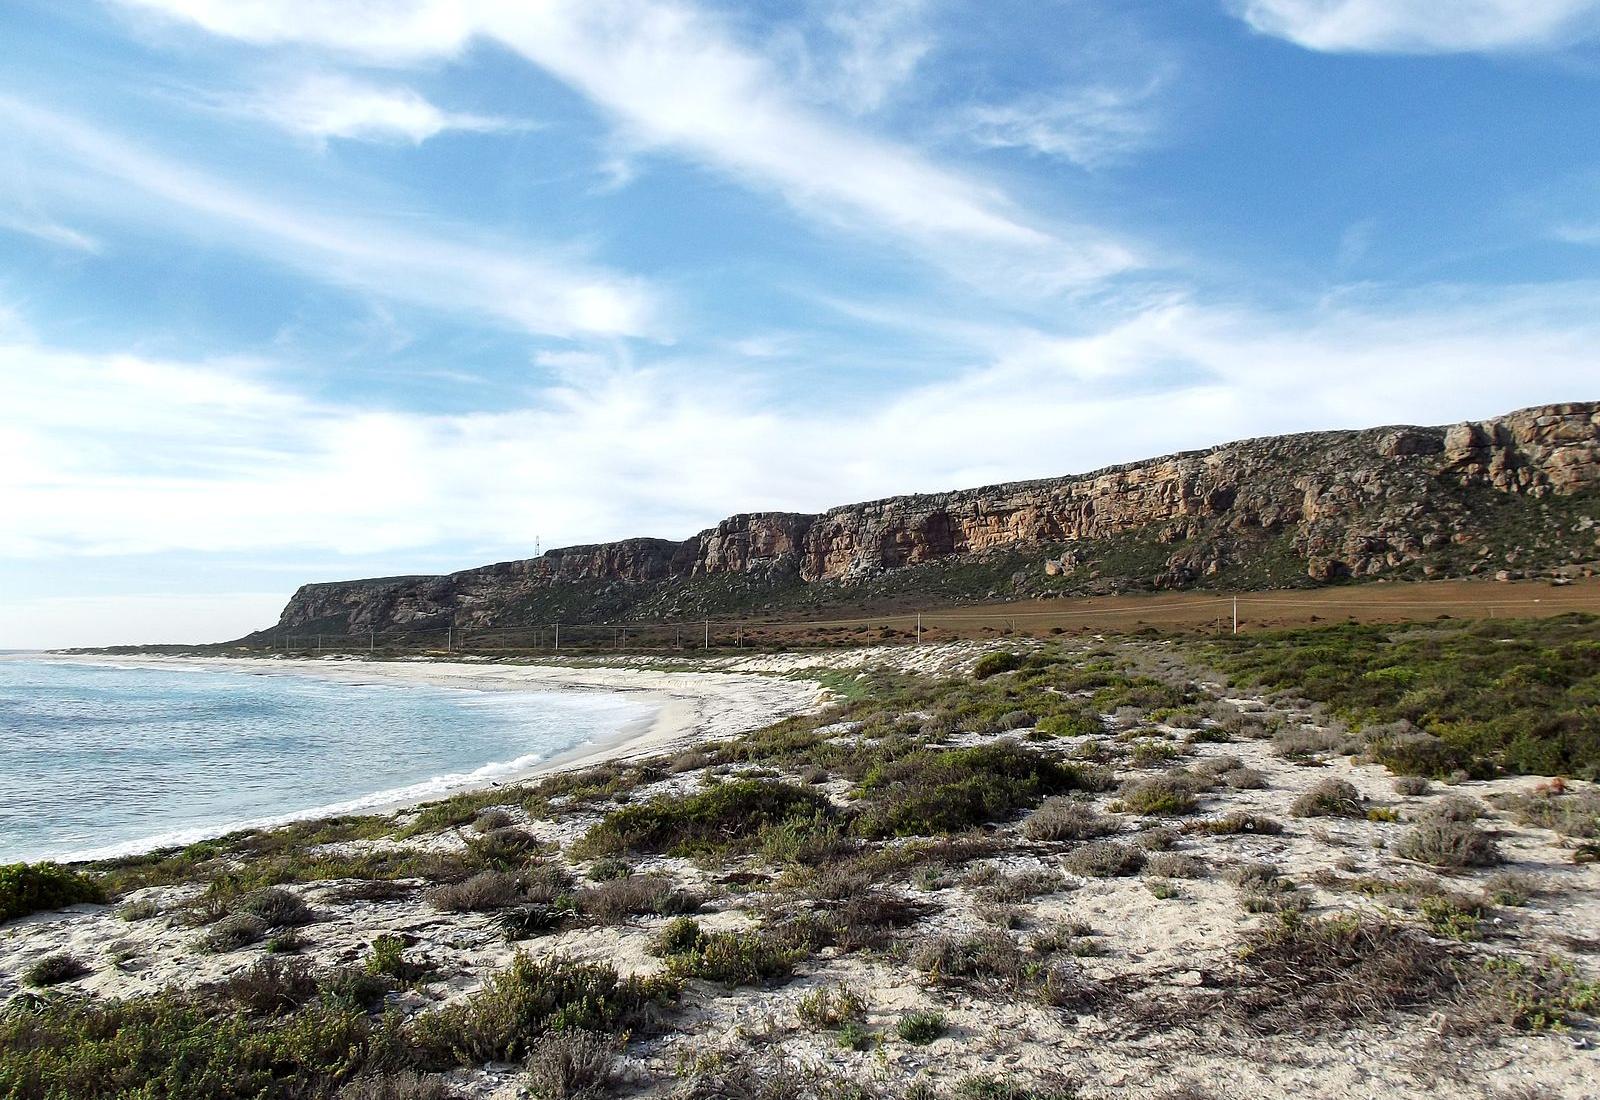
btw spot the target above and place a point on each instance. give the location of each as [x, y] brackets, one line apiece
[1088, 125]
[46, 230]
[1424, 26]
[327, 106]
[672, 77]
[360, 252]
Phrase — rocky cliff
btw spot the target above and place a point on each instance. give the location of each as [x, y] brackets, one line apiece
[1520, 492]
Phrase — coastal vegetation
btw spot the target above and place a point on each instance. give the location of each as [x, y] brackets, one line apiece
[927, 861]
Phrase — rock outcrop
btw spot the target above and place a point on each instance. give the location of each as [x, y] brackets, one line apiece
[1316, 507]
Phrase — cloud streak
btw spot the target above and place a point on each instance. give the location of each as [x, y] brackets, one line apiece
[511, 287]
[670, 77]
[334, 106]
[1424, 26]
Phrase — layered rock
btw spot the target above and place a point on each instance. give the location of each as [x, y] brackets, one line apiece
[1344, 504]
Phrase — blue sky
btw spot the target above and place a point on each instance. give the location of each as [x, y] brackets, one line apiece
[310, 289]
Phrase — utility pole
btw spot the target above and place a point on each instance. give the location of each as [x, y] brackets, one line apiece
[1236, 614]
[708, 634]
[372, 641]
[558, 638]
[919, 628]
[449, 638]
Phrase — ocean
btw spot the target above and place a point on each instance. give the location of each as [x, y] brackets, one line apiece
[99, 760]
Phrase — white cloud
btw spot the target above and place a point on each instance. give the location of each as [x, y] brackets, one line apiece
[332, 106]
[118, 455]
[114, 177]
[1089, 126]
[1424, 26]
[46, 230]
[877, 48]
[672, 78]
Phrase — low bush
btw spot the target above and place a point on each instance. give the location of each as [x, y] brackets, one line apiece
[831, 1007]
[1244, 779]
[54, 969]
[1148, 753]
[1234, 823]
[171, 1045]
[921, 1028]
[277, 907]
[1159, 795]
[1105, 859]
[637, 895]
[1328, 798]
[1448, 844]
[993, 664]
[720, 817]
[353, 987]
[931, 791]
[571, 1065]
[1175, 865]
[1306, 974]
[232, 933]
[756, 958]
[607, 868]
[388, 956]
[1411, 785]
[1084, 722]
[272, 987]
[1060, 818]
[482, 892]
[991, 955]
[528, 998]
[403, 1085]
[495, 817]
[29, 887]
[1456, 807]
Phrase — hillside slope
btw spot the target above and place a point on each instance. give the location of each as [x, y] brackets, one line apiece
[1520, 492]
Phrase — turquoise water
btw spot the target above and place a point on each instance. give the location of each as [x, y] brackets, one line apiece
[98, 760]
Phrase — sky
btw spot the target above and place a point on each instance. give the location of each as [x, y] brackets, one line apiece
[297, 290]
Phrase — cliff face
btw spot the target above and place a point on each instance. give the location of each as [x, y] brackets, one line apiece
[1400, 500]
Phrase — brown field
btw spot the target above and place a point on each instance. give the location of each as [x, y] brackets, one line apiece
[1193, 612]
[1167, 612]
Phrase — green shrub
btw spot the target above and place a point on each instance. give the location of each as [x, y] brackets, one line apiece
[1072, 723]
[232, 933]
[736, 958]
[993, 664]
[388, 956]
[607, 868]
[1159, 795]
[170, 1045]
[54, 969]
[921, 1028]
[29, 887]
[831, 1007]
[529, 998]
[1507, 695]
[719, 817]
[930, 791]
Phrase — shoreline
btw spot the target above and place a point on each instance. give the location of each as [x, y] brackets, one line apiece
[688, 706]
